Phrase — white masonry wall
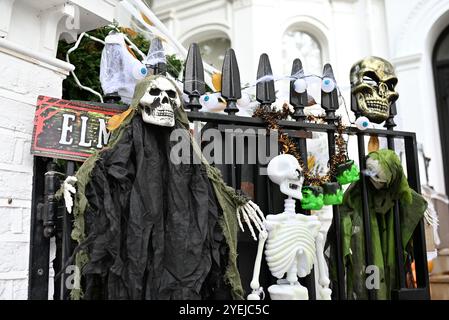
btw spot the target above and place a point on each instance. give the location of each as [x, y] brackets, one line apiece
[23, 76]
[29, 33]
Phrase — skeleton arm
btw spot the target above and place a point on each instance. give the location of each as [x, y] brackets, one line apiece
[251, 213]
[255, 285]
[324, 293]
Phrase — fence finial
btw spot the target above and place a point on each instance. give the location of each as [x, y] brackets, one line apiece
[230, 82]
[194, 85]
[329, 99]
[265, 83]
[298, 100]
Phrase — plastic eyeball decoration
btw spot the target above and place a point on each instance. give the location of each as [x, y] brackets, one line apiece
[300, 85]
[362, 123]
[209, 101]
[328, 85]
[139, 71]
[244, 101]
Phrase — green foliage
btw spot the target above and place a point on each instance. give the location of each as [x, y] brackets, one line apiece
[87, 58]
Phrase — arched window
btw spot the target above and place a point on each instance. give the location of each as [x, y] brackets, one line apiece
[213, 50]
[299, 44]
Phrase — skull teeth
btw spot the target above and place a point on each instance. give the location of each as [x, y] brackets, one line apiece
[164, 113]
[377, 105]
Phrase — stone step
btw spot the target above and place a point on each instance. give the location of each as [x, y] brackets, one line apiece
[441, 262]
[439, 287]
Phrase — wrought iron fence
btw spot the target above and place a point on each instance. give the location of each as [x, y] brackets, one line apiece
[50, 218]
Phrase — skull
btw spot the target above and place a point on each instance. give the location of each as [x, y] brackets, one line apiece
[159, 102]
[373, 83]
[285, 171]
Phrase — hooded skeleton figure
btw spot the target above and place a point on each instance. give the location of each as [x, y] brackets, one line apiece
[388, 184]
[148, 228]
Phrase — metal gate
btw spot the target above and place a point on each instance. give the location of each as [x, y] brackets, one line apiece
[49, 218]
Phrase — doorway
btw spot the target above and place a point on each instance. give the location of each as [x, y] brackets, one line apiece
[441, 74]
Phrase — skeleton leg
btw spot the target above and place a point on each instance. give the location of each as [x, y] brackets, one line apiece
[324, 293]
[255, 285]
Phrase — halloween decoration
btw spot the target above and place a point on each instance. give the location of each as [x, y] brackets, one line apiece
[159, 102]
[347, 173]
[387, 185]
[312, 198]
[333, 194]
[328, 85]
[300, 85]
[362, 123]
[119, 70]
[373, 83]
[287, 173]
[293, 241]
[148, 228]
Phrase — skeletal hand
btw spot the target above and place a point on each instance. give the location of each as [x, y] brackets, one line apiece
[251, 213]
[68, 190]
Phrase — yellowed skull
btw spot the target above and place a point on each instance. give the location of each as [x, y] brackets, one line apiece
[373, 83]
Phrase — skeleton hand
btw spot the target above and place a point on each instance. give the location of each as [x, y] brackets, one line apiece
[68, 189]
[251, 212]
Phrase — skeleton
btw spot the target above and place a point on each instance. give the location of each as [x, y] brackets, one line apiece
[294, 243]
[373, 83]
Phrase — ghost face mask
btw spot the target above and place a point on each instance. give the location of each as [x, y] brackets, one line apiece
[159, 102]
[377, 174]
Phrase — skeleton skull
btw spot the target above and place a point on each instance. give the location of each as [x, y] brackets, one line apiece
[159, 102]
[373, 83]
[285, 171]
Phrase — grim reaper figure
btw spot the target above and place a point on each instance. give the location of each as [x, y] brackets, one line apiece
[148, 228]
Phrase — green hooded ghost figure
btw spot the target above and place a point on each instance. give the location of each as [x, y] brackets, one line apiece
[386, 184]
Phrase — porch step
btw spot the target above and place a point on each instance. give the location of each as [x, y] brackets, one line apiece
[441, 262]
[439, 287]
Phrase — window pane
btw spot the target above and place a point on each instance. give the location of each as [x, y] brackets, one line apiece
[213, 51]
[298, 44]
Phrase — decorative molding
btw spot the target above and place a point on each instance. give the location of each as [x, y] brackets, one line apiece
[206, 32]
[50, 20]
[6, 7]
[407, 62]
[34, 57]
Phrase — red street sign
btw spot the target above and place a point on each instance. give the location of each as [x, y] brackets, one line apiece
[70, 130]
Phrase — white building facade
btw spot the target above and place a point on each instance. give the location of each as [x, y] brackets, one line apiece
[317, 31]
[29, 34]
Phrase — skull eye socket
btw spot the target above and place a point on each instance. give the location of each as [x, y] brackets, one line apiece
[155, 91]
[171, 94]
[370, 78]
[392, 84]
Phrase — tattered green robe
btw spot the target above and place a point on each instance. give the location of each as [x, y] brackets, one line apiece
[411, 207]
